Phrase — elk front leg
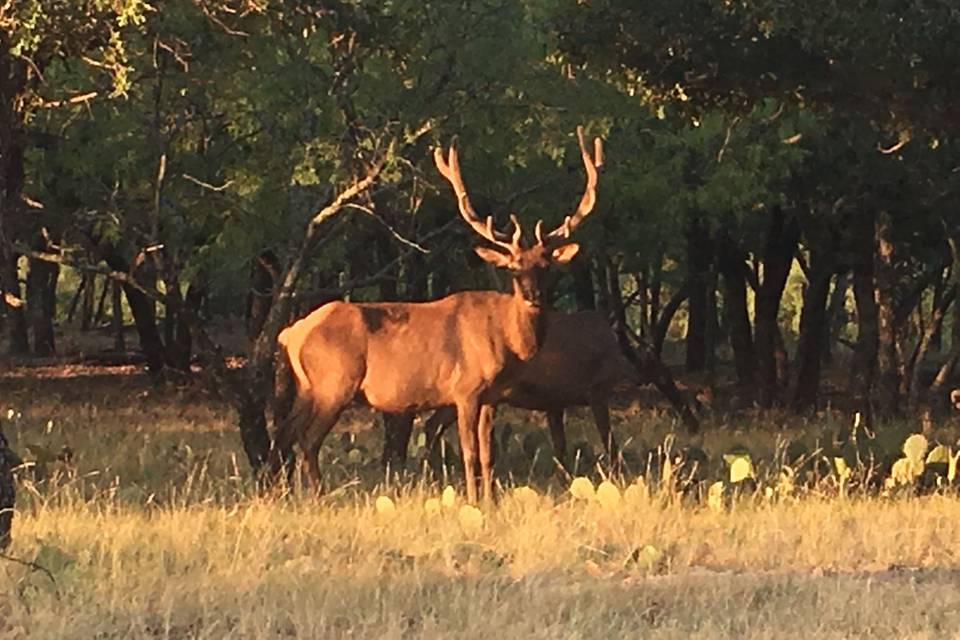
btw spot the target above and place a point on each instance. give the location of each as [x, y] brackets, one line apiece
[557, 435]
[468, 416]
[485, 437]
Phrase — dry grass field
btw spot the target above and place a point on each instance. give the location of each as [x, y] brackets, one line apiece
[152, 530]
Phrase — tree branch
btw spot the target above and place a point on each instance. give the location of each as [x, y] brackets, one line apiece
[396, 234]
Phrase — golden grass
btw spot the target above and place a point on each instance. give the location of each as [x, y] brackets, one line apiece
[156, 533]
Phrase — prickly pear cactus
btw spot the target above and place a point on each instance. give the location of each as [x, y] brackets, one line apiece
[8, 461]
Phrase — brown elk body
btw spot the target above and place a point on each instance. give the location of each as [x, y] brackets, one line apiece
[457, 351]
[579, 364]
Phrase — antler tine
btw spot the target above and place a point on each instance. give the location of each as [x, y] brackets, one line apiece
[517, 231]
[450, 169]
[589, 198]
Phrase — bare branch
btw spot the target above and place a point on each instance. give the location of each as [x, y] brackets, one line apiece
[12, 300]
[211, 16]
[33, 65]
[30, 202]
[904, 139]
[33, 566]
[393, 231]
[77, 99]
[776, 114]
[305, 297]
[183, 62]
[119, 276]
[351, 192]
[206, 185]
[726, 139]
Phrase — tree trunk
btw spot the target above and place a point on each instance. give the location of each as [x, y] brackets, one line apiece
[86, 305]
[936, 341]
[939, 312]
[946, 370]
[78, 297]
[652, 368]
[698, 265]
[733, 271]
[101, 311]
[116, 319]
[813, 326]
[13, 299]
[183, 338]
[656, 286]
[8, 491]
[865, 351]
[613, 297]
[263, 273]
[42, 300]
[663, 323]
[643, 302]
[11, 183]
[836, 314]
[885, 280]
[781, 243]
[144, 311]
[712, 336]
[955, 333]
[647, 363]
[583, 284]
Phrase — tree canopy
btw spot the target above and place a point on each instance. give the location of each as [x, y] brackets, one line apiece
[189, 144]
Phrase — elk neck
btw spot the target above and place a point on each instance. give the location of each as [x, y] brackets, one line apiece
[525, 325]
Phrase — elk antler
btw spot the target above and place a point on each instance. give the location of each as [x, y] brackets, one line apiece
[450, 169]
[590, 165]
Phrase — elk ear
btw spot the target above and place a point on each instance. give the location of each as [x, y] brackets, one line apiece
[564, 254]
[494, 257]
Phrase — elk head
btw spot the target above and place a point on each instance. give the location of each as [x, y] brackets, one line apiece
[527, 264]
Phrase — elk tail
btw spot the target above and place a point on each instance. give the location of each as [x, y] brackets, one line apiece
[284, 386]
[286, 407]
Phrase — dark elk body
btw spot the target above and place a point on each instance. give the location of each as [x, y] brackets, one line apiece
[458, 351]
[580, 364]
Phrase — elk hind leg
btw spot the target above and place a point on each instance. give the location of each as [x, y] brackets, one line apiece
[601, 416]
[433, 430]
[397, 428]
[287, 433]
[557, 435]
[311, 439]
[333, 391]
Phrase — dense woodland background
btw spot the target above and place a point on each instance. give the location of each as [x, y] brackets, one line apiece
[779, 199]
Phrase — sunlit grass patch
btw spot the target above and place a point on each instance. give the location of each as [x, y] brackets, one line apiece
[153, 528]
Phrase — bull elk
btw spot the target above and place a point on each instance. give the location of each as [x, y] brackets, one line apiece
[403, 356]
[580, 363]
